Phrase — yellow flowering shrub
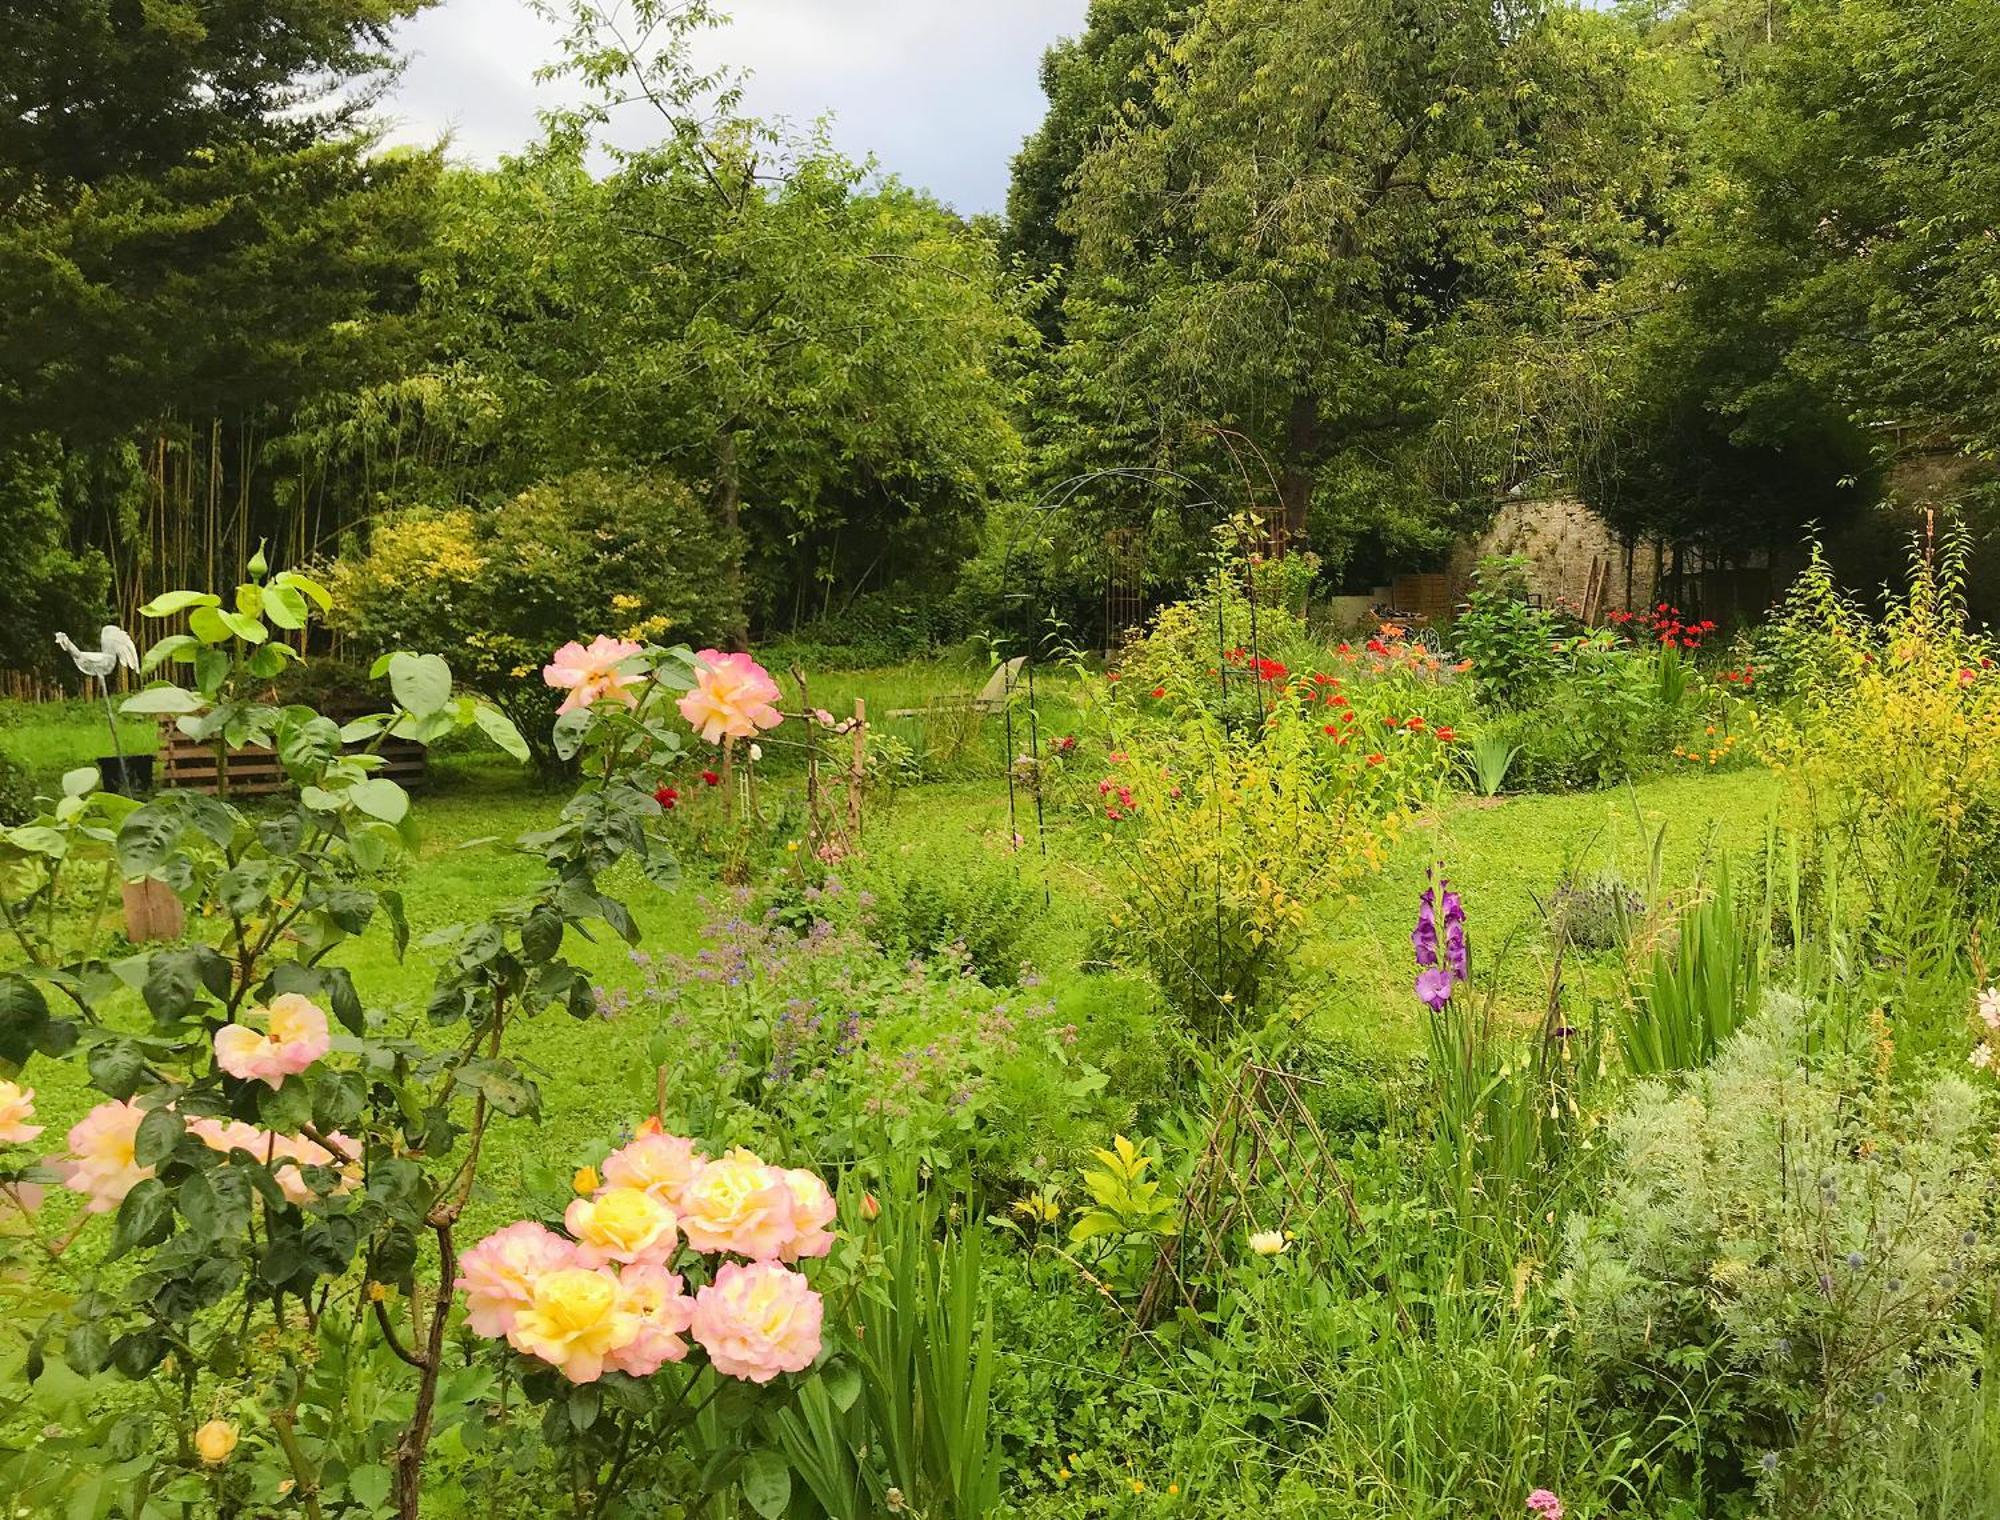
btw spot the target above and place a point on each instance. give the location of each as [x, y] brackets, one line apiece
[1227, 839]
[1890, 736]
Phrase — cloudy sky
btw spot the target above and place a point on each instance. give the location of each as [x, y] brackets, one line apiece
[941, 92]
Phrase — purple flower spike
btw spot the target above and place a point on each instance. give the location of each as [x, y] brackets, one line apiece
[1456, 957]
[1434, 988]
[1424, 938]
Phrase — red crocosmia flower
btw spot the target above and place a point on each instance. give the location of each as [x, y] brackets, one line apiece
[1125, 796]
[1110, 675]
[1343, 648]
[1377, 758]
[1113, 814]
[1415, 725]
[1331, 728]
[1376, 646]
[1159, 691]
[1104, 788]
[1446, 733]
[1348, 716]
[710, 778]
[1336, 701]
[1966, 677]
[666, 796]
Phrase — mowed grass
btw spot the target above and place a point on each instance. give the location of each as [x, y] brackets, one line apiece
[1353, 976]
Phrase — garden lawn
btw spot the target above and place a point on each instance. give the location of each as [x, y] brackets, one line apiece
[1354, 972]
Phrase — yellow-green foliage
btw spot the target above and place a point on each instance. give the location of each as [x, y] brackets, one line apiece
[1228, 840]
[1891, 737]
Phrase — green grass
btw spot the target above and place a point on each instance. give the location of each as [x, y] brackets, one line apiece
[1353, 974]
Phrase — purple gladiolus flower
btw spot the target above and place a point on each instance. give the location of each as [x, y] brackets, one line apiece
[1424, 938]
[1434, 987]
[1436, 978]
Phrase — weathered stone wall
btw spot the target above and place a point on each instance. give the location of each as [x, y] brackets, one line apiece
[1561, 540]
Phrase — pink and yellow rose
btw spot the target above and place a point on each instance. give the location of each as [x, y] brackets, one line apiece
[294, 1036]
[103, 1164]
[658, 1300]
[17, 1107]
[624, 1225]
[594, 674]
[733, 697]
[655, 1162]
[757, 1321]
[498, 1275]
[812, 1211]
[576, 1319]
[739, 1205]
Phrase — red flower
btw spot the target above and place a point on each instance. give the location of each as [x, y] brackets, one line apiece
[1377, 758]
[1376, 646]
[666, 796]
[1343, 648]
[1159, 691]
[1110, 675]
[1113, 814]
[1348, 716]
[710, 778]
[1415, 725]
[1331, 728]
[1446, 733]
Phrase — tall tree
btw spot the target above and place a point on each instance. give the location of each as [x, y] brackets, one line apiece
[1302, 255]
[196, 236]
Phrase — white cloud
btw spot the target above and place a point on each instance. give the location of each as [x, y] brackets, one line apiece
[941, 92]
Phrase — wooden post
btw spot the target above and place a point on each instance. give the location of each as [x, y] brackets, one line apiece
[858, 768]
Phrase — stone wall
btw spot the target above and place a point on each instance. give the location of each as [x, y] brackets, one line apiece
[1561, 541]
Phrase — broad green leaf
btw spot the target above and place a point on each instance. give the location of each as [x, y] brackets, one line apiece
[161, 699]
[767, 1483]
[380, 798]
[168, 603]
[421, 682]
[500, 728]
[285, 606]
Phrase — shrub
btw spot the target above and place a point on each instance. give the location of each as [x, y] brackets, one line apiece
[1788, 1242]
[960, 898]
[803, 1038]
[504, 587]
[1507, 641]
[17, 792]
[1891, 741]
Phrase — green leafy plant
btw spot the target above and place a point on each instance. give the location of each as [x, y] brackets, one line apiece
[1693, 994]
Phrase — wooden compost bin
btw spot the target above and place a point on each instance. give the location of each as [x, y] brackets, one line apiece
[254, 771]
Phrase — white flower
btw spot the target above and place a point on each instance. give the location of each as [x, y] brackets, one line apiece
[1989, 1008]
[756, 752]
[1982, 1057]
[1267, 1242]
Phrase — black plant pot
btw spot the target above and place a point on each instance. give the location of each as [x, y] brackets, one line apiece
[127, 775]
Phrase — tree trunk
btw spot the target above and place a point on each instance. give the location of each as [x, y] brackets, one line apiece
[1295, 481]
[729, 497]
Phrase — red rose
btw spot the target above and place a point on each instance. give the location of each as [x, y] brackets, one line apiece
[666, 796]
[710, 777]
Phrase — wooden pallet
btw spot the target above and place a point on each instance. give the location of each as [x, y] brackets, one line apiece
[254, 771]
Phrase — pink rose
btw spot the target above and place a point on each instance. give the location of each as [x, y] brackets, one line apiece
[498, 1275]
[733, 696]
[758, 1321]
[593, 675]
[17, 1107]
[103, 1165]
[295, 1036]
[812, 1212]
[658, 1300]
[623, 1225]
[655, 1162]
[738, 1204]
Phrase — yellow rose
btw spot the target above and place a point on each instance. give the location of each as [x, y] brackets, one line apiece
[574, 1321]
[624, 1225]
[215, 1441]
